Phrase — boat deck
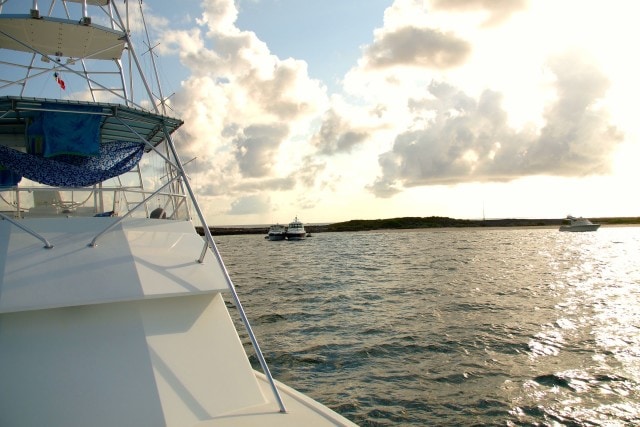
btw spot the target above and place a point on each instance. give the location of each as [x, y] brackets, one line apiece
[301, 411]
[139, 258]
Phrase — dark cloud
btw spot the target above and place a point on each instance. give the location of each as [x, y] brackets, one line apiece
[336, 135]
[421, 47]
[256, 148]
[470, 140]
[498, 10]
[578, 138]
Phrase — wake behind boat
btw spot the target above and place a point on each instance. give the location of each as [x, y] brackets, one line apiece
[578, 225]
[112, 307]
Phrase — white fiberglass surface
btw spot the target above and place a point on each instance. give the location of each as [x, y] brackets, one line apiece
[166, 361]
[139, 258]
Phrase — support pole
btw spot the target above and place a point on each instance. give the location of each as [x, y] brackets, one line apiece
[232, 288]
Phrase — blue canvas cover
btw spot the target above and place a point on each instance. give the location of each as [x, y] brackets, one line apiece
[76, 130]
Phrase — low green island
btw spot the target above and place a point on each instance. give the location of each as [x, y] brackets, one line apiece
[407, 223]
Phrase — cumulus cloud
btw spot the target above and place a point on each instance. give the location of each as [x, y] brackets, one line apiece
[260, 125]
[420, 47]
[469, 140]
[219, 16]
[240, 104]
[338, 135]
[498, 10]
[257, 148]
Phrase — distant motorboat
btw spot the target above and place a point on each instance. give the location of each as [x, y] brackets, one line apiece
[296, 230]
[578, 224]
[277, 232]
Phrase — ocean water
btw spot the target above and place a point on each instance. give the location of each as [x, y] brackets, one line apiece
[516, 327]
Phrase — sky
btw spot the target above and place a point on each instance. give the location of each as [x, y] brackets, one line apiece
[335, 110]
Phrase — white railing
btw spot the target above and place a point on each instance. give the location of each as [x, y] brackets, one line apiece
[28, 230]
[30, 202]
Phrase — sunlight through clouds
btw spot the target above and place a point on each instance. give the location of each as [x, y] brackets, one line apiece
[446, 94]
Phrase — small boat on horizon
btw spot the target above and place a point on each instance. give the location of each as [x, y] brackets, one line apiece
[574, 224]
[296, 230]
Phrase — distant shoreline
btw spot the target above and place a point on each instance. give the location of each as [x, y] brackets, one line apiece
[410, 223]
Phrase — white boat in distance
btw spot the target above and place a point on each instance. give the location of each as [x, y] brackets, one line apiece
[296, 230]
[578, 224]
[112, 307]
[277, 232]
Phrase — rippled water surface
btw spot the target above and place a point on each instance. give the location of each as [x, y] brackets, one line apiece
[451, 327]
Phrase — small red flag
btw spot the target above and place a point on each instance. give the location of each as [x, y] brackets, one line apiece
[59, 80]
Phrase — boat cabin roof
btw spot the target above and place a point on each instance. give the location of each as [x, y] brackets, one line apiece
[118, 122]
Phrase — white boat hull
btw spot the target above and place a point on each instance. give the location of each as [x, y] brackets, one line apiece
[133, 331]
[160, 362]
[300, 236]
[574, 224]
[296, 230]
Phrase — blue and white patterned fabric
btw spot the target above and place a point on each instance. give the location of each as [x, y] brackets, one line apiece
[115, 158]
